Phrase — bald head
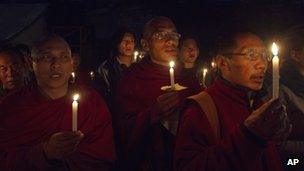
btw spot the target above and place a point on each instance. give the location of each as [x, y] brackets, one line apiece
[51, 41]
[155, 25]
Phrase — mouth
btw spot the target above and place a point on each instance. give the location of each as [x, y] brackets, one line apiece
[55, 76]
[258, 79]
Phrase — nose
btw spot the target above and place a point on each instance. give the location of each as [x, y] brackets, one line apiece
[56, 63]
[262, 64]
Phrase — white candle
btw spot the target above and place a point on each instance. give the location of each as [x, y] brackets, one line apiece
[75, 112]
[275, 72]
[204, 76]
[135, 56]
[171, 70]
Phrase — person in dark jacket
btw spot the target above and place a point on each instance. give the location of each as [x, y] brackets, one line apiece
[113, 68]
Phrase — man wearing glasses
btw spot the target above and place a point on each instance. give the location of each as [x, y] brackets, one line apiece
[147, 144]
[220, 129]
[36, 121]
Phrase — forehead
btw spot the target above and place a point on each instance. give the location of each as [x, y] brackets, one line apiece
[249, 41]
[163, 25]
[128, 36]
[6, 58]
[189, 42]
[54, 46]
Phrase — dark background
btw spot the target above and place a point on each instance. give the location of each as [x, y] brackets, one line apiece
[89, 24]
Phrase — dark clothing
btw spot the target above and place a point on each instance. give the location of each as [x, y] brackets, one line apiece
[28, 120]
[111, 71]
[237, 149]
[190, 77]
[146, 145]
[292, 91]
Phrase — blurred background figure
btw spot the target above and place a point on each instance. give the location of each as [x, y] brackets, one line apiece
[12, 69]
[188, 55]
[113, 68]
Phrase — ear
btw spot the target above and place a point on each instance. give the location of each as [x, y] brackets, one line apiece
[294, 55]
[223, 63]
[144, 45]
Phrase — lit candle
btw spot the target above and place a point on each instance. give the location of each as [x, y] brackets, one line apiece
[135, 56]
[92, 75]
[73, 77]
[275, 72]
[171, 70]
[204, 76]
[75, 112]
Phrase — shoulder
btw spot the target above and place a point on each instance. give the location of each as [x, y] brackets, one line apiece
[191, 111]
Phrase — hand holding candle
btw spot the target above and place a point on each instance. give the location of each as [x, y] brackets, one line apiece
[171, 70]
[75, 112]
[275, 72]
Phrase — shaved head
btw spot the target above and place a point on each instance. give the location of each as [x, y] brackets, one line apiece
[48, 40]
[155, 24]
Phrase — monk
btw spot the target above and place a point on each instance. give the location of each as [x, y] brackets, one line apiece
[11, 70]
[220, 129]
[36, 122]
[144, 107]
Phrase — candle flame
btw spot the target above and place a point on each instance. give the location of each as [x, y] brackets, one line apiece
[75, 97]
[275, 49]
[171, 64]
[205, 70]
[91, 73]
[73, 74]
[135, 53]
[212, 64]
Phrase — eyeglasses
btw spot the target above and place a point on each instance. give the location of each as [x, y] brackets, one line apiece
[167, 36]
[253, 55]
[49, 58]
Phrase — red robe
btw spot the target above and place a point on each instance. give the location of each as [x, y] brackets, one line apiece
[146, 146]
[237, 149]
[27, 120]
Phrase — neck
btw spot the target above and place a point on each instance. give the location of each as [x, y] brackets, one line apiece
[188, 65]
[159, 62]
[127, 60]
[51, 93]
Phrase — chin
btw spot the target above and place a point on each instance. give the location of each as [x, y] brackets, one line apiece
[256, 87]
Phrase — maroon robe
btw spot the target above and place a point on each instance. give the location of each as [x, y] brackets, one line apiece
[28, 119]
[237, 149]
[146, 145]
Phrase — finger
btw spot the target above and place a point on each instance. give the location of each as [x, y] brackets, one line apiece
[168, 96]
[68, 142]
[67, 135]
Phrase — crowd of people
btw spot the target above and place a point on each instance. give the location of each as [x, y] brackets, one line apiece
[128, 118]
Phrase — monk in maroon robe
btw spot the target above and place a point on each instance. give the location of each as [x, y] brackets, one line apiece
[144, 108]
[36, 122]
[240, 137]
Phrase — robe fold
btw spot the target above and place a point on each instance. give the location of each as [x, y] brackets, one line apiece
[145, 145]
[238, 149]
[28, 119]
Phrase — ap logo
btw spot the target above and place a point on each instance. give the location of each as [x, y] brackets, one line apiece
[292, 162]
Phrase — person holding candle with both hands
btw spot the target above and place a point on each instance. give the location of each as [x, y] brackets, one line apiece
[36, 132]
[220, 129]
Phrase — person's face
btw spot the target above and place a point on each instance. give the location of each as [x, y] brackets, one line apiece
[11, 71]
[53, 65]
[127, 44]
[162, 45]
[189, 51]
[249, 62]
